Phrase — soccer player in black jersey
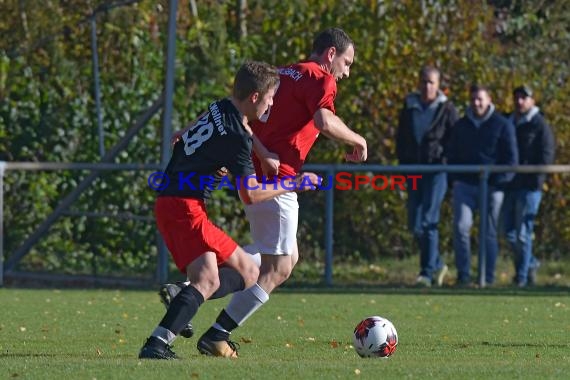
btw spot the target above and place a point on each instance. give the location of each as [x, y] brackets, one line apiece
[220, 138]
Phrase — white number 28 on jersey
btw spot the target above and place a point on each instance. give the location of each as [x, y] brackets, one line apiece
[197, 135]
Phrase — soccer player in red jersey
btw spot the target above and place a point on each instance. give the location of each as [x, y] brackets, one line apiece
[220, 138]
[303, 108]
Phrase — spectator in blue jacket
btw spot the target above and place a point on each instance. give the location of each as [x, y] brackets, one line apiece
[536, 146]
[481, 137]
[424, 128]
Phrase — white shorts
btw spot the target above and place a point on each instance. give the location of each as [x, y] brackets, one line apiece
[273, 225]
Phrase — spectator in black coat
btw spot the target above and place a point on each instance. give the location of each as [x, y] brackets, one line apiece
[481, 137]
[423, 132]
[536, 146]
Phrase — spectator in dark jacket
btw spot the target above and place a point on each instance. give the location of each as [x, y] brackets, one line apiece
[423, 132]
[535, 142]
[481, 137]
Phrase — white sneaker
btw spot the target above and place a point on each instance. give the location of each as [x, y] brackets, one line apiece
[423, 281]
[440, 275]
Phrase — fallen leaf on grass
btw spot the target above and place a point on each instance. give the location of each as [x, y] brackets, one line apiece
[334, 344]
[245, 340]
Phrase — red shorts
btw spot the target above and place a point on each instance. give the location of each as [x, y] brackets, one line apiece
[188, 233]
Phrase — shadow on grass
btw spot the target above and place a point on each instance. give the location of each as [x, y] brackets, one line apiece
[49, 281]
[412, 290]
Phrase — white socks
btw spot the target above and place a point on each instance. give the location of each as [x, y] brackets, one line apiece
[163, 334]
[243, 304]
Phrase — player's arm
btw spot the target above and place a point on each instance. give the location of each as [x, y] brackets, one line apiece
[333, 127]
[251, 191]
[269, 160]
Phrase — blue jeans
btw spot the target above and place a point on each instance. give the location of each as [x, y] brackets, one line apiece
[519, 210]
[424, 205]
[465, 202]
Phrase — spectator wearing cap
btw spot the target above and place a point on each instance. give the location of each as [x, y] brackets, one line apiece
[481, 137]
[523, 194]
[424, 128]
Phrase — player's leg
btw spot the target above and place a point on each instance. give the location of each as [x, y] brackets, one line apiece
[227, 276]
[186, 231]
[274, 228]
[167, 292]
[204, 277]
[203, 273]
[212, 344]
[230, 281]
[274, 271]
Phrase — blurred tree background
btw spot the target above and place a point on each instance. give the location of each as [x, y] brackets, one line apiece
[47, 108]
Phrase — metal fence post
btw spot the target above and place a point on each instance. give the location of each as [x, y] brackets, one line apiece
[162, 272]
[2, 165]
[329, 226]
[96, 86]
[483, 213]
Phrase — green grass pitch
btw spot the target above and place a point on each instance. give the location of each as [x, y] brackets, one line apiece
[447, 334]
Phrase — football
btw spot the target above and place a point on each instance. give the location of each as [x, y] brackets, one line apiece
[375, 337]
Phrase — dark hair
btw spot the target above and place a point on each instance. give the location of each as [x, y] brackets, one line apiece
[479, 87]
[332, 37]
[426, 70]
[523, 90]
[254, 76]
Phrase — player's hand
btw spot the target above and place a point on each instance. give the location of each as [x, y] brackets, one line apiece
[222, 172]
[359, 153]
[308, 181]
[270, 165]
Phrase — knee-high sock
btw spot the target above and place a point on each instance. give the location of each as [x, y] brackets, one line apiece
[182, 309]
[230, 281]
[243, 304]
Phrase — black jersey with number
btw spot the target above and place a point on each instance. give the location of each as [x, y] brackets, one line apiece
[218, 139]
